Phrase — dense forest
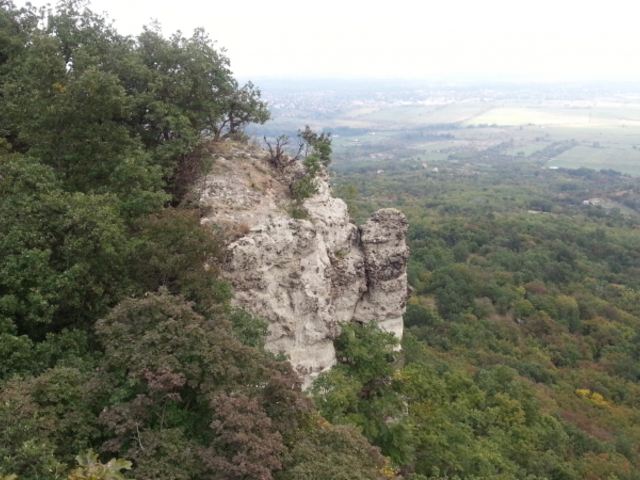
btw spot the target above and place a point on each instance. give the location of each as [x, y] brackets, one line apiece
[120, 355]
[522, 337]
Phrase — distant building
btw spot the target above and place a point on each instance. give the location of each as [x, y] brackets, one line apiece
[435, 170]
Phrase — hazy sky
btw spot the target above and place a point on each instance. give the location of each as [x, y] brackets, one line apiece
[533, 39]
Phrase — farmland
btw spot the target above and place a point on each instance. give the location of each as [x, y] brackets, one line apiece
[597, 126]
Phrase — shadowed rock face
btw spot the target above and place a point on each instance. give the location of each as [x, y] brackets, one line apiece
[305, 277]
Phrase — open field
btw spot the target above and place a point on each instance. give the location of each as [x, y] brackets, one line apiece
[611, 156]
[603, 141]
[424, 115]
[531, 116]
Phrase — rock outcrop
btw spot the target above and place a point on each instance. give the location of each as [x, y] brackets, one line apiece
[304, 276]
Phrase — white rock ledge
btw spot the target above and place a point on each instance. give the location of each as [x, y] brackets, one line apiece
[305, 277]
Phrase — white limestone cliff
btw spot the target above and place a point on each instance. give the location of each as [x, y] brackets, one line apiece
[304, 276]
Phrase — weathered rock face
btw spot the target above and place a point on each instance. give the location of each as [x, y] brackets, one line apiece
[304, 276]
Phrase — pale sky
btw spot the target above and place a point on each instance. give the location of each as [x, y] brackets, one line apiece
[511, 39]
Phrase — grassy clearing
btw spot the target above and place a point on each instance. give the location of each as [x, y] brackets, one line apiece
[359, 112]
[625, 160]
[606, 112]
[425, 115]
[536, 116]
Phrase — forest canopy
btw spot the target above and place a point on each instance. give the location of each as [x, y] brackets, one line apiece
[114, 114]
[522, 335]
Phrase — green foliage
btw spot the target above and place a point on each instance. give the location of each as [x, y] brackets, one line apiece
[332, 452]
[23, 357]
[454, 288]
[317, 156]
[65, 104]
[316, 150]
[175, 392]
[367, 350]
[299, 212]
[63, 254]
[305, 187]
[183, 380]
[316, 145]
[90, 468]
[68, 258]
[363, 390]
[520, 343]
[112, 114]
[348, 193]
[173, 251]
[246, 446]
[46, 420]
[183, 87]
[249, 329]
